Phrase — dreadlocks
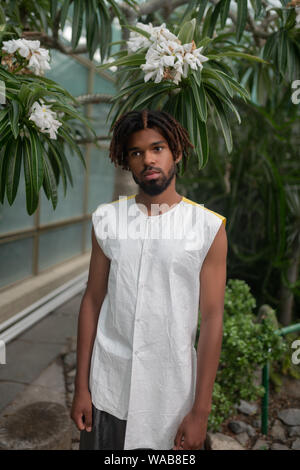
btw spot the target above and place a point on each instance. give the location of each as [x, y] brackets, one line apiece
[133, 121]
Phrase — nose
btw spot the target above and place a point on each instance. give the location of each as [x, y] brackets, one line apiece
[149, 158]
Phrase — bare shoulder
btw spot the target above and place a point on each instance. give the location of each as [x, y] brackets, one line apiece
[219, 247]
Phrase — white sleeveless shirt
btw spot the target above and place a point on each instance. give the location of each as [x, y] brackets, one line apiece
[144, 363]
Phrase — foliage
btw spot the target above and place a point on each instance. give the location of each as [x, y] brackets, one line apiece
[204, 92]
[21, 142]
[247, 346]
[258, 190]
[92, 17]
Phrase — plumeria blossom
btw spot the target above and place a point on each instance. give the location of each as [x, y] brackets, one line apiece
[166, 58]
[44, 118]
[160, 58]
[158, 33]
[192, 57]
[138, 41]
[37, 56]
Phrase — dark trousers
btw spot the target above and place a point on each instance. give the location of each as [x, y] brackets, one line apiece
[108, 432]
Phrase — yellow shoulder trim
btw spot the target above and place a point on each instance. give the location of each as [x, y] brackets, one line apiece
[118, 200]
[196, 204]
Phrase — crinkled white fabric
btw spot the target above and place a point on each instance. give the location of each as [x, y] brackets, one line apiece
[144, 363]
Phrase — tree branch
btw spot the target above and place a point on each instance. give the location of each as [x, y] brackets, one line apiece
[53, 43]
[94, 98]
[92, 140]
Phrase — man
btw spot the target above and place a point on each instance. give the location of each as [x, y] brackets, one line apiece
[156, 258]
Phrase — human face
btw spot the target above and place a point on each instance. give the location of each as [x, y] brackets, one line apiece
[148, 150]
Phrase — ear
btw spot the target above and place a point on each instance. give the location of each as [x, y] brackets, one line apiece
[178, 158]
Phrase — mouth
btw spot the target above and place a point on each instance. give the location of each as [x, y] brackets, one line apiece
[151, 175]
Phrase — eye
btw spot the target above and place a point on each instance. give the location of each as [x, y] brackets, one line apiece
[158, 148]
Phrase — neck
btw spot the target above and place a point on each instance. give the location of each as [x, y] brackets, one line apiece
[168, 197]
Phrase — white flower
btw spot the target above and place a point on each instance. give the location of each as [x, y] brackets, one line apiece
[136, 40]
[44, 118]
[166, 57]
[158, 33]
[37, 56]
[192, 57]
[161, 56]
[10, 46]
[161, 33]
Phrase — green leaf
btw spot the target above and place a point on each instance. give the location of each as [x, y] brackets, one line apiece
[105, 30]
[202, 6]
[187, 110]
[225, 4]
[291, 60]
[270, 46]
[2, 15]
[242, 55]
[241, 18]
[149, 92]
[189, 9]
[223, 120]
[53, 9]
[36, 158]
[37, 93]
[72, 144]
[77, 22]
[130, 59]
[202, 148]
[199, 99]
[31, 193]
[206, 22]
[128, 89]
[14, 114]
[127, 104]
[5, 134]
[137, 30]
[69, 110]
[7, 76]
[282, 52]
[62, 162]
[14, 157]
[217, 76]
[4, 155]
[257, 8]
[186, 32]
[49, 183]
[236, 86]
[24, 94]
[291, 19]
[50, 85]
[91, 26]
[119, 13]
[64, 13]
[3, 114]
[224, 98]
[3, 124]
[197, 76]
[213, 19]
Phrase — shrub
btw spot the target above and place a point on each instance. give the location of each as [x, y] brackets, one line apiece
[247, 345]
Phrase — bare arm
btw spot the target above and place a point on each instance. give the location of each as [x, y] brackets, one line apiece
[86, 331]
[89, 312]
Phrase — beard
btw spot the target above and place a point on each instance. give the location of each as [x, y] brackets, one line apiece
[156, 186]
